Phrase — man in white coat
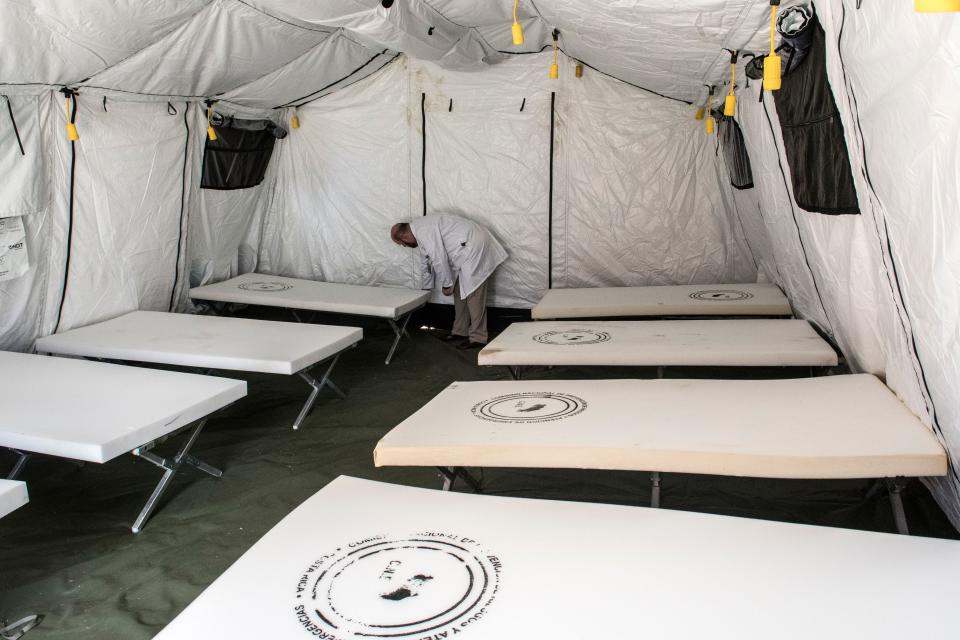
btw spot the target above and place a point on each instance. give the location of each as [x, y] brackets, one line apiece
[460, 256]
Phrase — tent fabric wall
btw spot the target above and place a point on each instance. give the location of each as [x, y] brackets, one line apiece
[342, 179]
[126, 214]
[126, 209]
[23, 188]
[623, 159]
[894, 75]
[633, 162]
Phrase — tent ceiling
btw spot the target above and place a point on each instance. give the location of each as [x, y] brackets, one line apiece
[267, 53]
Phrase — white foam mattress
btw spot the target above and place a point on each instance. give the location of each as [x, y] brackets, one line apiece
[208, 342]
[719, 343]
[294, 293]
[363, 559]
[95, 411]
[681, 300]
[13, 495]
[831, 427]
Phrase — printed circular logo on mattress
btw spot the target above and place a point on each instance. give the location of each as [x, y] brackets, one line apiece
[572, 336]
[529, 406]
[721, 295]
[265, 286]
[425, 585]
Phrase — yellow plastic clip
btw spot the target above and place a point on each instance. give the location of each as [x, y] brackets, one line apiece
[936, 6]
[771, 63]
[711, 123]
[730, 102]
[295, 120]
[554, 68]
[700, 113]
[578, 71]
[517, 29]
[211, 133]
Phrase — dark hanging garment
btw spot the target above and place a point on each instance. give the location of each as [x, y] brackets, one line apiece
[735, 154]
[813, 135]
[238, 158]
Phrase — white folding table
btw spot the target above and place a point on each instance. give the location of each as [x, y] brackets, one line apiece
[211, 342]
[95, 412]
[395, 304]
[659, 343]
[848, 426]
[363, 559]
[680, 300]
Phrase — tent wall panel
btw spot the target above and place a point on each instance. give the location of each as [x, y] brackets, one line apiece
[771, 191]
[489, 161]
[22, 151]
[22, 300]
[342, 179]
[749, 213]
[344, 172]
[127, 195]
[895, 77]
[225, 226]
[834, 252]
[641, 201]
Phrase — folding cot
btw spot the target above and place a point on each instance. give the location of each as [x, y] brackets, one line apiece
[402, 562]
[660, 343]
[210, 342]
[95, 412]
[13, 495]
[681, 300]
[395, 304]
[848, 426]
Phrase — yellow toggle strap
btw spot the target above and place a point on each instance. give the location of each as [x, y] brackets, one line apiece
[517, 29]
[771, 64]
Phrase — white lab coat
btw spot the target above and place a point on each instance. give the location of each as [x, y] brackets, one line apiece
[452, 247]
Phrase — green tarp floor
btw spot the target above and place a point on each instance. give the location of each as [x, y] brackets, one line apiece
[70, 555]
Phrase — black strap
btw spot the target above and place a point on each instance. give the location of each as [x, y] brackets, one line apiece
[423, 153]
[183, 200]
[73, 174]
[553, 100]
[16, 131]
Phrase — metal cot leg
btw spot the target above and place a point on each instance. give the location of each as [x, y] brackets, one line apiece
[449, 475]
[655, 489]
[170, 468]
[317, 385]
[22, 457]
[14, 630]
[400, 331]
[895, 486]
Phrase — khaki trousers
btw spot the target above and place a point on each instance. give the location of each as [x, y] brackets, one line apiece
[470, 314]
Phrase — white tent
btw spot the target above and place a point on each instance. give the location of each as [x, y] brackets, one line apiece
[421, 106]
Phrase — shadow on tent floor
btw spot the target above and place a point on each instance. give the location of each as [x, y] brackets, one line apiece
[69, 554]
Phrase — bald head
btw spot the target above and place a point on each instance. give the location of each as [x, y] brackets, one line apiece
[401, 234]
